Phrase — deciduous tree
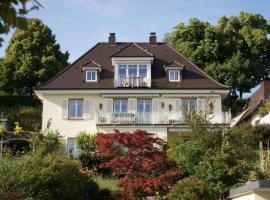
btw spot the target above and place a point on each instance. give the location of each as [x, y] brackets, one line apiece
[32, 57]
[140, 162]
[235, 51]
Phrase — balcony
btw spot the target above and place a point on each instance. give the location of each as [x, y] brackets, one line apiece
[132, 82]
[138, 118]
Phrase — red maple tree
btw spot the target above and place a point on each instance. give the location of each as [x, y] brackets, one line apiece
[138, 159]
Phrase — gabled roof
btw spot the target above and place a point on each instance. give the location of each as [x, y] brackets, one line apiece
[132, 50]
[91, 63]
[254, 102]
[102, 53]
[174, 64]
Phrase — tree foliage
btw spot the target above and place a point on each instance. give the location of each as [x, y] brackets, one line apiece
[140, 163]
[235, 51]
[32, 57]
[12, 14]
[218, 159]
[36, 176]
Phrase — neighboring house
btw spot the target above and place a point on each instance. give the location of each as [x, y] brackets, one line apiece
[250, 113]
[257, 190]
[128, 86]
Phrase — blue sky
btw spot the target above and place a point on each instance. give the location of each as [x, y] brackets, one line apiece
[79, 24]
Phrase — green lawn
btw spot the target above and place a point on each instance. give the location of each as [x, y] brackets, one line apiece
[107, 183]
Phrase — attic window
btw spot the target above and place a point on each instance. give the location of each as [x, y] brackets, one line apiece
[91, 75]
[174, 75]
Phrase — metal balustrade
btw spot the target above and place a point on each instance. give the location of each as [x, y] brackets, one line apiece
[139, 118]
[132, 81]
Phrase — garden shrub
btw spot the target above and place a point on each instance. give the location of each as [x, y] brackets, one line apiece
[40, 177]
[89, 153]
[191, 189]
[29, 118]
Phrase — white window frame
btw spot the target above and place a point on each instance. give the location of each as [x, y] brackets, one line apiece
[120, 104]
[86, 75]
[137, 66]
[189, 105]
[76, 108]
[171, 79]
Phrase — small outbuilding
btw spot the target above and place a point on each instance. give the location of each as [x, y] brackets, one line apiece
[257, 190]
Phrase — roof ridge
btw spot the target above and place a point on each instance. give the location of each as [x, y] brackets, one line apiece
[128, 45]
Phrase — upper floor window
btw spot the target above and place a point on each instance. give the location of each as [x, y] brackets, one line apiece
[174, 75]
[91, 75]
[133, 75]
[75, 108]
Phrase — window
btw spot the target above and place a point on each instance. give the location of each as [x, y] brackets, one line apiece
[120, 106]
[189, 106]
[174, 75]
[75, 108]
[72, 147]
[144, 106]
[132, 70]
[143, 71]
[91, 75]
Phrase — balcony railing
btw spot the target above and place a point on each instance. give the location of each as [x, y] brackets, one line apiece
[139, 118]
[132, 81]
[149, 118]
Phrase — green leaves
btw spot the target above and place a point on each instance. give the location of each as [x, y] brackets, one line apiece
[32, 58]
[236, 51]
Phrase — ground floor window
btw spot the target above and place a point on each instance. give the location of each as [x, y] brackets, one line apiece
[75, 108]
[120, 106]
[72, 147]
[189, 106]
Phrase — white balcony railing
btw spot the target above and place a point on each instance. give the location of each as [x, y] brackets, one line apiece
[132, 81]
[139, 118]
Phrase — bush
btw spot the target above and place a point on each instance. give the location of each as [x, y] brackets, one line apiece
[29, 118]
[41, 177]
[89, 153]
[191, 189]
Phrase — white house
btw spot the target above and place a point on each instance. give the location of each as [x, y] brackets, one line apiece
[128, 86]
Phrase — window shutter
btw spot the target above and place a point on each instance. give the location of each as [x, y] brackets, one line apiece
[155, 111]
[201, 105]
[88, 111]
[178, 105]
[109, 105]
[65, 109]
[132, 105]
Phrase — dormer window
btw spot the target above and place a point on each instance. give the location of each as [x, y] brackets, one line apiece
[91, 75]
[132, 75]
[174, 75]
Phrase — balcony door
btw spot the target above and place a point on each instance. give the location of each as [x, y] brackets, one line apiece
[144, 111]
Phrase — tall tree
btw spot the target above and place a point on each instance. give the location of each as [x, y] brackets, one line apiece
[32, 57]
[12, 14]
[235, 51]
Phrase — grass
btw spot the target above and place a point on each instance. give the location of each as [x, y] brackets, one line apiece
[107, 183]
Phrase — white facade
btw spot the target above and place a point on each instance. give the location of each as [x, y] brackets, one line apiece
[253, 195]
[98, 110]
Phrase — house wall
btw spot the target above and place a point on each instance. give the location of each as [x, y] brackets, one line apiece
[257, 119]
[69, 128]
[253, 195]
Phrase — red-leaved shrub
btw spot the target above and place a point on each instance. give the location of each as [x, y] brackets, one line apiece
[138, 159]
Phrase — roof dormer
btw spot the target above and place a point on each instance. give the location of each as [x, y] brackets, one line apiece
[174, 71]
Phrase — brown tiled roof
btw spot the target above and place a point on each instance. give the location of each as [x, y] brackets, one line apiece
[72, 76]
[174, 64]
[132, 50]
[91, 63]
[256, 99]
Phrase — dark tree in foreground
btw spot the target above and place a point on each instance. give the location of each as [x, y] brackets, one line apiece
[12, 14]
[235, 51]
[141, 163]
[32, 57]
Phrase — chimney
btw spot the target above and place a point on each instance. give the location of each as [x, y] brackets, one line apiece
[153, 38]
[112, 39]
